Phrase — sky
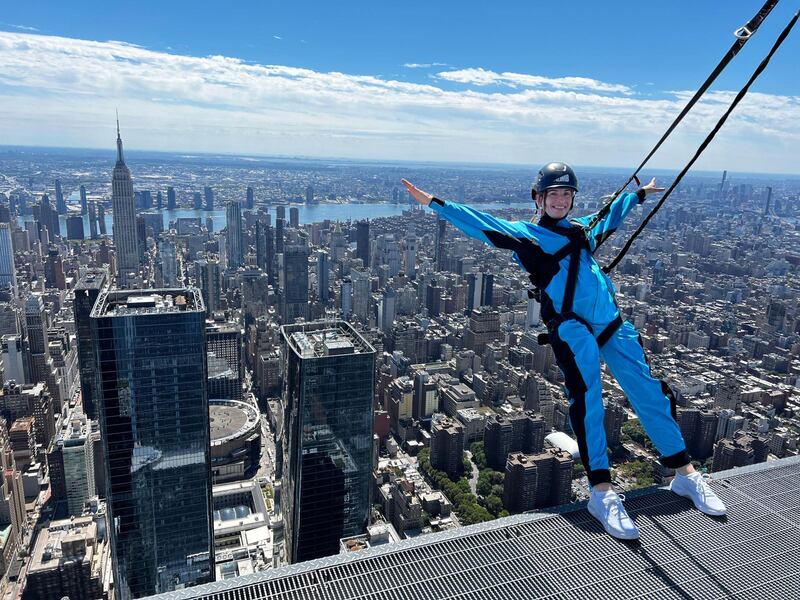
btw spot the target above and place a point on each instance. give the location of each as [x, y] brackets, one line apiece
[590, 83]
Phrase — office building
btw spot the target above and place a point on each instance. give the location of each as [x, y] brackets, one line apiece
[150, 351]
[362, 242]
[8, 271]
[326, 437]
[447, 445]
[235, 239]
[124, 219]
[69, 560]
[86, 292]
[294, 281]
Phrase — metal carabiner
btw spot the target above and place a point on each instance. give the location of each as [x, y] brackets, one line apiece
[742, 33]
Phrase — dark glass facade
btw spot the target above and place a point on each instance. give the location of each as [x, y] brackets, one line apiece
[151, 387]
[86, 293]
[326, 439]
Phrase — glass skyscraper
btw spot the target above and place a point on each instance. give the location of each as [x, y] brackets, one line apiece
[151, 390]
[326, 436]
[86, 292]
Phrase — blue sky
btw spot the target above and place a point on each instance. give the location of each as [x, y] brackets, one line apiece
[589, 82]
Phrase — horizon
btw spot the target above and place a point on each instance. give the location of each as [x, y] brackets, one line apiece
[138, 153]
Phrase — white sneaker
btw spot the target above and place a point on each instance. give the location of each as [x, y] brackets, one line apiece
[695, 487]
[607, 508]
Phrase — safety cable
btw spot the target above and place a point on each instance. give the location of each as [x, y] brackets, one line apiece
[742, 34]
[706, 142]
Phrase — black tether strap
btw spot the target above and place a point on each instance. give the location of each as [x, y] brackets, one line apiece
[707, 141]
[742, 34]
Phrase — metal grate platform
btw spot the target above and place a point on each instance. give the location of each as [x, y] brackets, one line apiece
[753, 552]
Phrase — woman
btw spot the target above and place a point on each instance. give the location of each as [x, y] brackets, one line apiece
[584, 323]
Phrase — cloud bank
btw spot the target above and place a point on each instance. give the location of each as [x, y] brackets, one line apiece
[63, 91]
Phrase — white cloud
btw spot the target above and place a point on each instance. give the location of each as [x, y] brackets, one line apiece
[424, 65]
[62, 91]
[277, 37]
[19, 27]
[482, 77]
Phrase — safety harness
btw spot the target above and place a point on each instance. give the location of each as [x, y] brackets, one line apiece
[577, 242]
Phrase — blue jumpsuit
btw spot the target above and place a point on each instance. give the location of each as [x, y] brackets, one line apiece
[584, 324]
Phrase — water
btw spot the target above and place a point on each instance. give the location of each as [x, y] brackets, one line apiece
[313, 213]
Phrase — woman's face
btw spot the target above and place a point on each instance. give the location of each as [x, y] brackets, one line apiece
[557, 202]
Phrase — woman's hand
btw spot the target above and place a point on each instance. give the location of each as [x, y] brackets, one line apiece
[423, 198]
[651, 188]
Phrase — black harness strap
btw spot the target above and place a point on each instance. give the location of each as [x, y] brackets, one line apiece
[610, 329]
[706, 142]
[742, 34]
[577, 242]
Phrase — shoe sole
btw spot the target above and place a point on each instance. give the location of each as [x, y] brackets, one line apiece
[607, 529]
[705, 511]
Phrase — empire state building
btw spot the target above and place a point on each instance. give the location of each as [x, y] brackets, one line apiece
[124, 207]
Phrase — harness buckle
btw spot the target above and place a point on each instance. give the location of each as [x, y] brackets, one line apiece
[742, 33]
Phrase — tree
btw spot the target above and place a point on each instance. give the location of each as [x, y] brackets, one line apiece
[494, 504]
[632, 430]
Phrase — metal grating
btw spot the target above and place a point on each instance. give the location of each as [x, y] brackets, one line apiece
[753, 552]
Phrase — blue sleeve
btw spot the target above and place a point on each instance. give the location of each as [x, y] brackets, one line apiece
[620, 208]
[480, 225]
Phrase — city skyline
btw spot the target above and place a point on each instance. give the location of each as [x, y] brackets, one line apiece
[252, 344]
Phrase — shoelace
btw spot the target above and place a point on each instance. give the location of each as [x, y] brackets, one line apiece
[616, 506]
[701, 483]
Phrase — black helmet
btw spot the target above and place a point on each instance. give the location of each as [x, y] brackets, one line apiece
[553, 175]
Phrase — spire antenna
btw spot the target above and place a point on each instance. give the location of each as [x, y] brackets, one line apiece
[120, 159]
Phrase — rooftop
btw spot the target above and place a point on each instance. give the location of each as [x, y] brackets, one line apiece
[230, 419]
[122, 303]
[563, 553]
[320, 339]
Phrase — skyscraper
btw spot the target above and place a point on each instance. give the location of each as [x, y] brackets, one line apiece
[61, 205]
[294, 217]
[171, 199]
[265, 249]
[124, 218]
[8, 271]
[309, 194]
[75, 227]
[362, 294]
[294, 281]
[36, 335]
[251, 200]
[84, 204]
[326, 438]
[150, 351]
[279, 222]
[49, 218]
[410, 258]
[86, 292]
[93, 220]
[208, 194]
[233, 214]
[207, 277]
[323, 276]
[101, 218]
[362, 242]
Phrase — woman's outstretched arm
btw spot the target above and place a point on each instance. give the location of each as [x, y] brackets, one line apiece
[476, 224]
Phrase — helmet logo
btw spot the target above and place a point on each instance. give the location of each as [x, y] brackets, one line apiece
[564, 177]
